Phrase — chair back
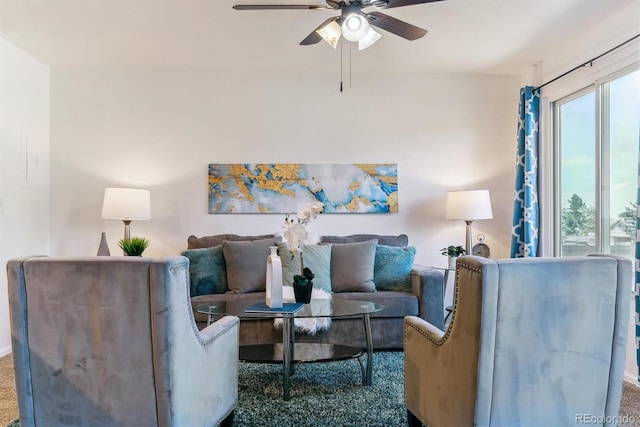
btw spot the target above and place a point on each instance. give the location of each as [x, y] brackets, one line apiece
[86, 337]
[552, 337]
[531, 342]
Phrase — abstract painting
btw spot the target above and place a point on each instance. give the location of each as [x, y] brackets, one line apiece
[285, 187]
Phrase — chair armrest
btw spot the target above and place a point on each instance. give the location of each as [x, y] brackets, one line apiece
[196, 372]
[424, 328]
[202, 374]
[218, 328]
[437, 368]
[446, 364]
[427, 285]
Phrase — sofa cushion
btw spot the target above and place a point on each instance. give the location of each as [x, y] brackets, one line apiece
[194, 242]
[352, 266]
[316, 257]
[207, 271]
[392, 271]
[246, 263]
[400, 240]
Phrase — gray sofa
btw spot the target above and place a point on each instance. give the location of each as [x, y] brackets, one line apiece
[420, 293]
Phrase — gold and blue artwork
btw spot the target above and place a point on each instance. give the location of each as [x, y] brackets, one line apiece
[286, 187]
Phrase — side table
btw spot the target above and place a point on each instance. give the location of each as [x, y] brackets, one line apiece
[445, 281]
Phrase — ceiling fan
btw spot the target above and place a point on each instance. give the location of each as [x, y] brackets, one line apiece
[353, 24]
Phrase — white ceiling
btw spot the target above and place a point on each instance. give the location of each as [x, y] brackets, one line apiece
[465, 36]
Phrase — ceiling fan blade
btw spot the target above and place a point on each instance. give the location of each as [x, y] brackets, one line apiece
[400, 3]
[314, 37]
[395, 26]
[281, 6]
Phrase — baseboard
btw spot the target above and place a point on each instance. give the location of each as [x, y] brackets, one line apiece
[630, 378]
[4, 351]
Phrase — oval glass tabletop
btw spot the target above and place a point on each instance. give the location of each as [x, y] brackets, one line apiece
[316, 308]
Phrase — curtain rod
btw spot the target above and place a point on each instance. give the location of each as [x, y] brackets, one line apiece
[589, 62]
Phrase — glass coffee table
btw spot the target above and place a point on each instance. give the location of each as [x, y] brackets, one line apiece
[289, 352]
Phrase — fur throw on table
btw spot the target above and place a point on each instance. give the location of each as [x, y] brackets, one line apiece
[306, 325]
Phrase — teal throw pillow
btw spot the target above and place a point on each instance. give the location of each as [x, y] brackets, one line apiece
[392, 271]
[207, 271]
[316, 257]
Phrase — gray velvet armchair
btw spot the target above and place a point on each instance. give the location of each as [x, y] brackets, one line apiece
[532, 342]
[111, 341]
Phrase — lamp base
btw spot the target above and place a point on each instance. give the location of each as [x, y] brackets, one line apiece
[467, 248]
[127, 230]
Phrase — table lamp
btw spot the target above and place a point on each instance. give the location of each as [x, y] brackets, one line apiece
[127, 204]
[469, 205]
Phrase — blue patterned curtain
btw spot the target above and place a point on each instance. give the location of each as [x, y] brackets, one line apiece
[524, 234]
[637, 286]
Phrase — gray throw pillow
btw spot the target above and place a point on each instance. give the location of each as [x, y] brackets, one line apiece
[194, 242]
[352, 266]
[247, 264]
[207, 271]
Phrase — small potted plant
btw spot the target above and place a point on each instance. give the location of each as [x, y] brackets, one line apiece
[452, 252]
[303, 285]
[134, 246]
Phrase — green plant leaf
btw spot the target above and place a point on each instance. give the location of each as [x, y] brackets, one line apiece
[134, 246]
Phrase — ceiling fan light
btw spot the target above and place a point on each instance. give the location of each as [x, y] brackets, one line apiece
[330, 33]
[369, 39]
[354, 27]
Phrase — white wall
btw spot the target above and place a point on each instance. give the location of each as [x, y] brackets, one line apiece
[24, 165]
[159, 130]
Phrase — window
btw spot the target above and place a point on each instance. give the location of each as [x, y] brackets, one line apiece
[597, 134]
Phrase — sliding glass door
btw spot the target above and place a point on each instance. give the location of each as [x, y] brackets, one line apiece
[597, 137]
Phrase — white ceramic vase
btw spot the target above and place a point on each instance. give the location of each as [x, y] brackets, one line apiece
[452, 262]
[274, 279]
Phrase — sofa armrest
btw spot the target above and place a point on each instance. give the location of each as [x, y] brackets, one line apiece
[427, 285]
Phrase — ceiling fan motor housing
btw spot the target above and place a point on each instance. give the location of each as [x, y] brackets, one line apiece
[380, 4]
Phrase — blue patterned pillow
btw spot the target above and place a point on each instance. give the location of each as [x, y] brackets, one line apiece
[392, 270]
[207, 271]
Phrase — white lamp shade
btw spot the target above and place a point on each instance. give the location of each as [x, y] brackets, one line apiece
[469, 205]
[126, 204]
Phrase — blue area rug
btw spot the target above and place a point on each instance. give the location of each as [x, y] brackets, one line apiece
[323, 395]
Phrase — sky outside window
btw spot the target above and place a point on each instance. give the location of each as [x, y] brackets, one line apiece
[619, 109]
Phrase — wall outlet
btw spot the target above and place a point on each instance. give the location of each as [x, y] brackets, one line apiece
[1, 206]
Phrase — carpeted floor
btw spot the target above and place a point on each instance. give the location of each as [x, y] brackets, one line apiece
[322, 395]
[8, 404]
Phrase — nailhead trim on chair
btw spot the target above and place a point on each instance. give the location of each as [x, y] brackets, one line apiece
[447, 332]
[453, 314]
[184, 267]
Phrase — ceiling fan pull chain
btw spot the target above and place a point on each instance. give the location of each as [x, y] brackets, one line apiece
[350, 46]
[341, 44]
